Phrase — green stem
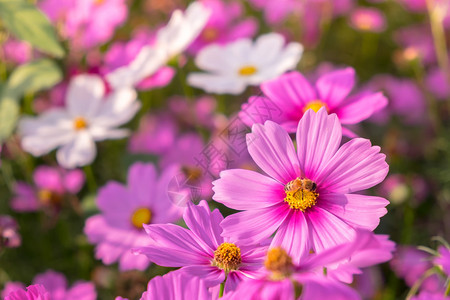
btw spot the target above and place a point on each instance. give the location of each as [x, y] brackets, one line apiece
[92, 184]
[222, 286]
[447, 291]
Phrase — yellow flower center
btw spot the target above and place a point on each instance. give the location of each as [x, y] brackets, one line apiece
[411, 53]
[315, 105]
[279, 263]
[47, 197]
[210, 34]
[192, 173]
[247, 70]
[301, 194]
[80, 123]
[141, 216]
[227, 257]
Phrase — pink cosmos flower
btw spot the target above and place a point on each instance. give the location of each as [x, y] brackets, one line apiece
[122, 54]
[437, 84]
[33, 292]
[443, 259]
[283, 279]
[86, 23]
[368, 19]
[15, 51]
[51, 185]
[222, 26]
[9, 233]
[202, 251]
[55, 284]
[307, 197]
[291, 95]
[411, 263]
[124, 210]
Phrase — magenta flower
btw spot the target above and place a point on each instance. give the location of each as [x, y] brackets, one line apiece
[122, 54]
[437, 84]
[33, 292]
[307, 197]
[86, 23]
[124, 210]
[50, 187]
[9, 233]
[16, 52]
[283, 279]
[443, 259]
[55, 284]
[291, 95]
[222, 26]
[368, 19]
[202, 251]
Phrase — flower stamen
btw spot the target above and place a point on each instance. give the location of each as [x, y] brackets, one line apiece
[80, 123]
[227, 257]
[247, 70]
[279, 263]
[141, 216]
[315, 105]
[301, 194]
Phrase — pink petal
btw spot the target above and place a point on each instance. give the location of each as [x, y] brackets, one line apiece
[205, 225]
[361, 108]
[49, 178]
[320, 287]
[333, 87]
[244, 189]
[358, 210]
[142, 184]
[326, 229]
[293, 236]
[318, 138]
[355, 166]
[172, 246]
[272, 150]
[247, 226]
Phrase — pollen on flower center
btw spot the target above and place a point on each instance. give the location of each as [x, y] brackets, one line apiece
[79, 123]
[279, 263]
[47, 197]
[247, 70]
[210, 34]
[315, 105]
[227, 257]
[141, 216]
[301, 194]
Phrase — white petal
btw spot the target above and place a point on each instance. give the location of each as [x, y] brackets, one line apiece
[84, 95]
[79, 152]
[102, 133]
[146, 63]
[217, 84]
[267, 47]
[118, 108]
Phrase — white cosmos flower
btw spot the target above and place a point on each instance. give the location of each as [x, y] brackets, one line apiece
[234, 66]
[171, 40]
[89, 116]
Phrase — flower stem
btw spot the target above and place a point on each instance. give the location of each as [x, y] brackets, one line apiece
[92, 184]
[222, 287]
[447, 291]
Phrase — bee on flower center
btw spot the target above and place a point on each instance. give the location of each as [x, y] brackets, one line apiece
[301, 193]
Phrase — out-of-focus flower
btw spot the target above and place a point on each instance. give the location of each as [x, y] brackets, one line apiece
[417, 42]
[284, 279]
[222, 26]
[9, 233]
[415, 5]
[122, 54]
[55, 285]
[15, 51]
[203, 251]
[124, 210]
[307, 197]
[291, 95]
[241, 63]
[443, 259]
[87, 118]
[177, 285]
[437, 84]
[398, 188]
[171, 40]
[411, 263]
[276, 11]
[33, 292]
[368, 19]
[405, 99]
[86, 23]
[50, 186]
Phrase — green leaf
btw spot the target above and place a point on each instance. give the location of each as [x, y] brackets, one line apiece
[28, 78]
[27, 23]
[32, 77]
